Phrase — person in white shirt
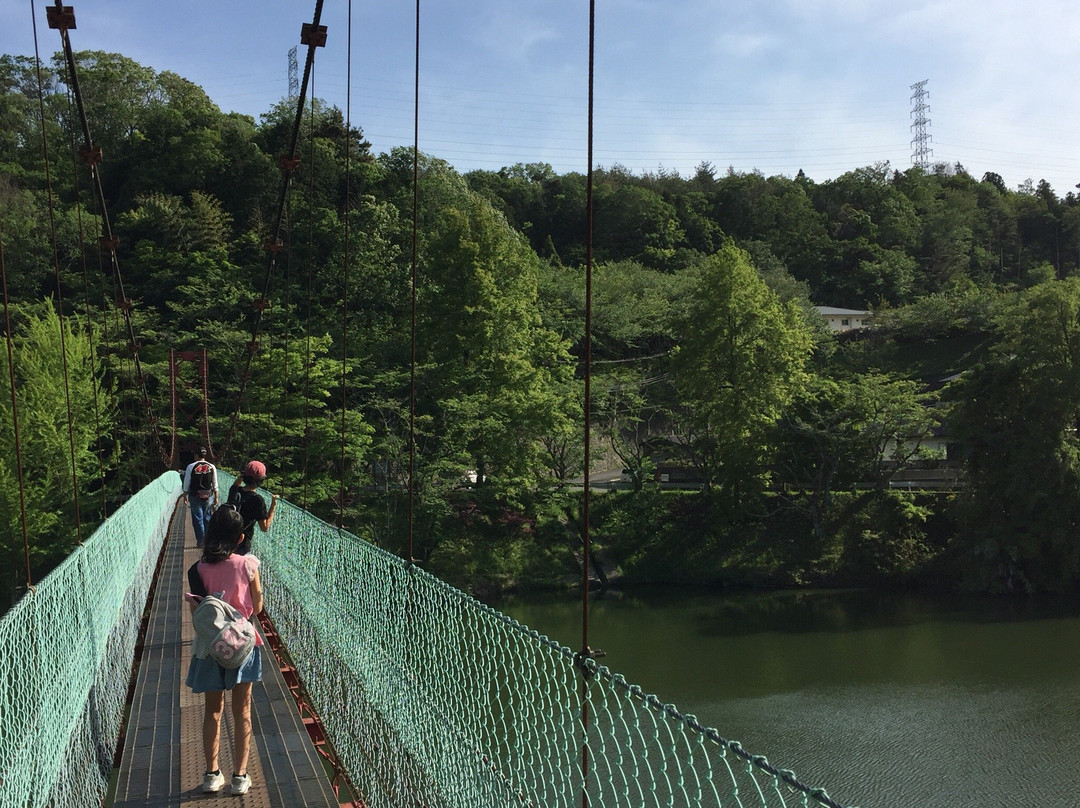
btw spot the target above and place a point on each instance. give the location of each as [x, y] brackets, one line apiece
[201, 488]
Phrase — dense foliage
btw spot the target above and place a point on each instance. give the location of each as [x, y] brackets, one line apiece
[709, 355]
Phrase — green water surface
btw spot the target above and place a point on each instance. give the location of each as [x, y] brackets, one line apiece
[883, 700]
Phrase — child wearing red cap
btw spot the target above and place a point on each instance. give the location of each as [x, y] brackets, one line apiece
[244, 496]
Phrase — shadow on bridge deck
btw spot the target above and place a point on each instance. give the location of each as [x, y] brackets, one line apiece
[162, 762]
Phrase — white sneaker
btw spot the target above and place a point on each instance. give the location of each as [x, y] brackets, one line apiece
[240, 784]
[213, 781]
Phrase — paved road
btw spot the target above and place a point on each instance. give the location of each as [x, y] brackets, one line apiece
[603, 481]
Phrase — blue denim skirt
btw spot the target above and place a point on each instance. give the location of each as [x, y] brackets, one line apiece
[206, 676]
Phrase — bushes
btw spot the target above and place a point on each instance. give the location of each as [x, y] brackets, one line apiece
[871, 537]
[700, 538]
[884, 539]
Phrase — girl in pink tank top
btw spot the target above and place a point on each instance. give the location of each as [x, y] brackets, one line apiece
[237, 577]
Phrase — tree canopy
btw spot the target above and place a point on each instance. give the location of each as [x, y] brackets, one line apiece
[708, 352]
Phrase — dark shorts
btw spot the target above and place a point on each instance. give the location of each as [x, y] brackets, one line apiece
[206, 676]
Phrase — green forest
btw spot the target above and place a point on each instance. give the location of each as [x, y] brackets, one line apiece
[707, 352]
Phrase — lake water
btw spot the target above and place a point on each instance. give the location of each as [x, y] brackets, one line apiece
[882, 700]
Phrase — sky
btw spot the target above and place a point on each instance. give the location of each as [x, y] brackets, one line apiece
[776, 86]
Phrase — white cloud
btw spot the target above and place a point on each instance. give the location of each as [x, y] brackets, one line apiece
[739, 44]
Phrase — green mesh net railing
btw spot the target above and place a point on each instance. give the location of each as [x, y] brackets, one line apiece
[432, 698]
[66, 652]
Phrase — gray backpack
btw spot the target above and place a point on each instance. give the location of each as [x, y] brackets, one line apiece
[221, 632]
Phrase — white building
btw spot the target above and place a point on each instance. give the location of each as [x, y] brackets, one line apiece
[844, 319]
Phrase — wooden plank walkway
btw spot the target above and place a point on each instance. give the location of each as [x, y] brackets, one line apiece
[162, 763]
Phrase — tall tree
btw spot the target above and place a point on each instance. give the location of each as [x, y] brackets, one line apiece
[1015, 418]
[43, 389]
[740, 361]
[490, 366]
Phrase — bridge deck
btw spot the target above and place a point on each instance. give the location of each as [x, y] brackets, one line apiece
[162, 761]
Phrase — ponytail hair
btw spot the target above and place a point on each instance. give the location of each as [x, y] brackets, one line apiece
[224, 532]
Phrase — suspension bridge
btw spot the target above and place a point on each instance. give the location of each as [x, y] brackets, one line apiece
[390, 688]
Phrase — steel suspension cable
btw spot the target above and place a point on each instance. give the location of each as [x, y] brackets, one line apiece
[114, 361]
[15, 415]
[67, 380]
[586, 651]
[412, 284]
[314, 36]
[286, 291]
[265, 410]
[204, 367]
[90, 329]
[50, 196]
[62, 18]
[172, 405]
[345, 266]
[310, 271]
